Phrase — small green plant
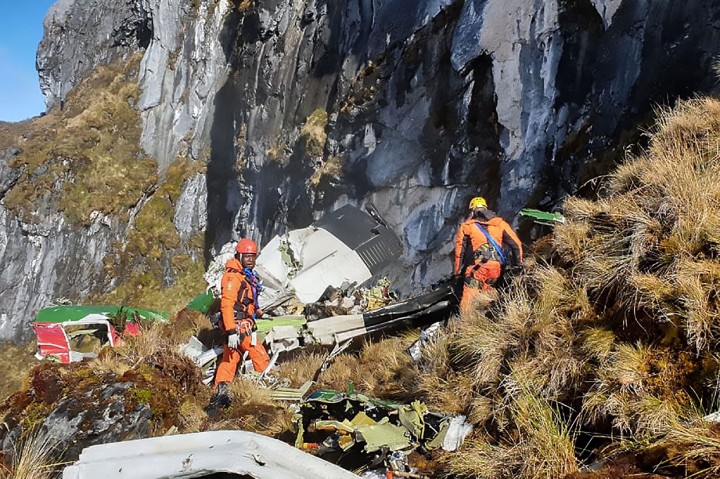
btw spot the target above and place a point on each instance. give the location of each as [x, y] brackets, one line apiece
[142, 395]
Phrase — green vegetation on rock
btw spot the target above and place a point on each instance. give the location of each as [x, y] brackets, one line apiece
[86, 157]
[314, 134]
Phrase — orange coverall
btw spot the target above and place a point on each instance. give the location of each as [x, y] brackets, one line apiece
[480, 273]
[238, 309]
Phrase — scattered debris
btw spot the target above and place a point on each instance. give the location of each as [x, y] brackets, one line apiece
[346, 246]
[330, 421]
[205, 358]
[426, 335]
[291, 394]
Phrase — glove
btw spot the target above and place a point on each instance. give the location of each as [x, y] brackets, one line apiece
[233, 341]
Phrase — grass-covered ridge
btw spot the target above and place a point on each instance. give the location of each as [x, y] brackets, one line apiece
[86, 156]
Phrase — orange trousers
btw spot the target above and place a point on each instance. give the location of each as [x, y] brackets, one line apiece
[232, 357]
[479, 279]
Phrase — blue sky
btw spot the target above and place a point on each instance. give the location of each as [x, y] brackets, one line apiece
[21, 28]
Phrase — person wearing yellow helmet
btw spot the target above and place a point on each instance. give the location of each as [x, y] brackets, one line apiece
[484, 245]
[477, 202]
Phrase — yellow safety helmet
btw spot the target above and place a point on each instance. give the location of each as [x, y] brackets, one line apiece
[478, 202]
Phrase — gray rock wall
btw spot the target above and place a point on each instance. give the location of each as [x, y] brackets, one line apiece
[426, 105]
[47, 261]
[82, 35]
[444, 100]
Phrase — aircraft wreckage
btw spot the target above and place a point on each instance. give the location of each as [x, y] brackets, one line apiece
[322, 285]
[321, 269]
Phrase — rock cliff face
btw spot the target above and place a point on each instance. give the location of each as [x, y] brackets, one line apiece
[298, 107]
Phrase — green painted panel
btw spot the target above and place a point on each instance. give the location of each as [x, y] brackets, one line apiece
[543, 215]
[202, 302]
[63, 314]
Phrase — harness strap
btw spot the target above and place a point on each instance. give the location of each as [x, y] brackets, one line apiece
[255, 287]
[494, 244]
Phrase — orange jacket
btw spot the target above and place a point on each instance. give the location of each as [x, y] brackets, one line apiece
[469, 239]
[238, 296]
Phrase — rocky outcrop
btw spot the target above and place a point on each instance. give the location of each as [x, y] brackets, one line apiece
[77, 405]
[46, 261]
[429, 106]
[298, 107]
[181, 72]
[8, 175]
[80, 36]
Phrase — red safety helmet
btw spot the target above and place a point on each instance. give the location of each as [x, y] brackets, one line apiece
[246, 246]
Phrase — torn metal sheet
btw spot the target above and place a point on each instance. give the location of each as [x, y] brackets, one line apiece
[345, 246]
[457, 431]
[292, 332]
[200, 455]
[205, 358]
[342, 250]
[70, 333]
[383, 435]
[334, 421]
[426, 336]
[291, 394]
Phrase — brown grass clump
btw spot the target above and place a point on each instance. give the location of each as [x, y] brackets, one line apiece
[314, 134]
[330, 170]
[34, 457]
[540, 447]
[253, 410]
[614, 337]
[17, 362]
[382, 369]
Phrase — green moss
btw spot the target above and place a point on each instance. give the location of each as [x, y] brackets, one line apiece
[142, 396]
[34, 415]
[144, 285]
[154, 231]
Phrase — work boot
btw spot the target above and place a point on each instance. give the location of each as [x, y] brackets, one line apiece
[220, 400]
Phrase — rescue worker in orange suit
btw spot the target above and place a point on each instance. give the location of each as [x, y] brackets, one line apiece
[239, 309]
[484, 244]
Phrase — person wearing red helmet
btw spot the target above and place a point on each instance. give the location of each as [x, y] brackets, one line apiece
[239, 308]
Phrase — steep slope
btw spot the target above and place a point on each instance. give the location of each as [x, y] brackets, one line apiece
[606, 349]
[603, 351]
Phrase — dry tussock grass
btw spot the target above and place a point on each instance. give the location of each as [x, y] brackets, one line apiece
[313, 132]
[538, 444]
[34, 457]
[621, 325]
[254, 410]
[192, 416]
[382, 368]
